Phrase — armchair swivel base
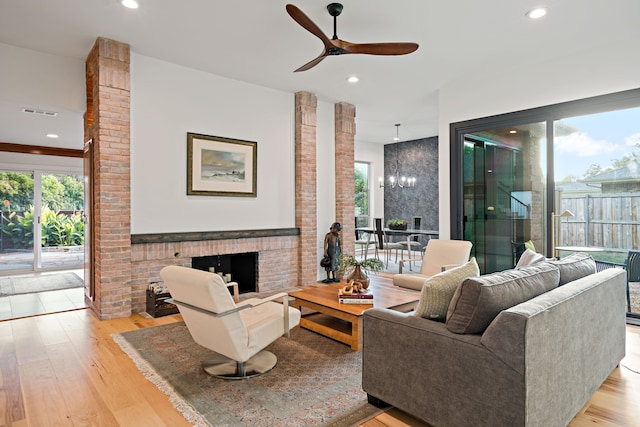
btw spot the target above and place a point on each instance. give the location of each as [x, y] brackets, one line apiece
[220, 366]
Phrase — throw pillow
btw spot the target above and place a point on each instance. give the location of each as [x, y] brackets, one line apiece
[529, 257]
[574, 267]
[478, 300]
[529, 245]
[438, 290]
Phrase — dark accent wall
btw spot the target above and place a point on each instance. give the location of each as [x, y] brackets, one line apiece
[417, 158]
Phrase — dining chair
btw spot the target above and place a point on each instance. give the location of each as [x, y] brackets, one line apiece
[384, 244]
[363, 241]
[413, 241]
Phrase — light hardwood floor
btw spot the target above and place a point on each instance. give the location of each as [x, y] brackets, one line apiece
[64, 369]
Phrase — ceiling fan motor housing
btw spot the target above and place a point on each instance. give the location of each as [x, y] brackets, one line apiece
[335, 9]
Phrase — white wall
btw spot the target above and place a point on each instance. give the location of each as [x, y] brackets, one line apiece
[32, 162]
[167, 101]
[373, 154]
[578, 75]
[43, 79]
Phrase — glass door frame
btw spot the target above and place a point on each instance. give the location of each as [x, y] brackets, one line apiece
[38, 173]
[548, 114]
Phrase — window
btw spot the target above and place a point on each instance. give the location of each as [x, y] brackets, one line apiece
[361, 202]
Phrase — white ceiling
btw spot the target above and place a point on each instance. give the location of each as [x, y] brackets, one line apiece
[257, 42]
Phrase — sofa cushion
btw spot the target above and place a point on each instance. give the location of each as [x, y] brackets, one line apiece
[478, 300]
[574, 267]
[438, 290]
[529, 257]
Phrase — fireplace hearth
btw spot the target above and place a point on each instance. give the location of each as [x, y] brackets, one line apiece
[242, 267]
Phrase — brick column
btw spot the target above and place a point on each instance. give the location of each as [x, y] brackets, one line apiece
[345, 129]
[107, 122]
[306, 194]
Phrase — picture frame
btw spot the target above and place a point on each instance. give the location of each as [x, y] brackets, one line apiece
[218, 166]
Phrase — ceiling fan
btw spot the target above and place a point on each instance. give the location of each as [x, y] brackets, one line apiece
[335, 46]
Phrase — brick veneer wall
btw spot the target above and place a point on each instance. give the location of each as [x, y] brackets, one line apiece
[345, 130]
[107, 123]
[277, 261]
[306, 188]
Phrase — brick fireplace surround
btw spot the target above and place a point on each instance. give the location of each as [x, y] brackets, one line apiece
[277, 256]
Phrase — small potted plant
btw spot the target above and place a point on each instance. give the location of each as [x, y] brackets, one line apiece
[397, 224]
[358, 269]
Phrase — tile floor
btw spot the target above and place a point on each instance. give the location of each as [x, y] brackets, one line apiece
[25, 305]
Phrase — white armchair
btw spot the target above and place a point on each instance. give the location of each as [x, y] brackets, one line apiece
[439, 255]
[238, 333]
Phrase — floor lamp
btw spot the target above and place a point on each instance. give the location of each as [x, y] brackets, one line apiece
[565, 214]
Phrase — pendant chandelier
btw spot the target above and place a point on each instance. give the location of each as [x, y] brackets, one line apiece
[396, 179]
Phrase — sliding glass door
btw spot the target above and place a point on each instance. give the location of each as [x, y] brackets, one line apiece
[563, 178]
[504, 179]
[42, 221]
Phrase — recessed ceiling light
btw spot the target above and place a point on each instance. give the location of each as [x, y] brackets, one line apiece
[513, 131]
[52, 135]
[353, 79]
[131, 4]
[537, 13]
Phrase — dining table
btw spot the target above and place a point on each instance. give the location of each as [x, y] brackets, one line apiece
[408, 232]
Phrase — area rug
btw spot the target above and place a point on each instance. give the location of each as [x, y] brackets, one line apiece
[316, 382]
[44, 282]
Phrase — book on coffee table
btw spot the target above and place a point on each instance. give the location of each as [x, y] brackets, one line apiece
[355, 301]
[355, 298]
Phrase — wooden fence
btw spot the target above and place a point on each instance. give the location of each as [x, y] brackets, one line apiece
[610, 221]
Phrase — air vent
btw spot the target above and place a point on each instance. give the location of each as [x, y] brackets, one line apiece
[40, 112]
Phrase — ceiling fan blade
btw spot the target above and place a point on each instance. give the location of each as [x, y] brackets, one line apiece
[312, 63]
[308, 25]
[381, 48]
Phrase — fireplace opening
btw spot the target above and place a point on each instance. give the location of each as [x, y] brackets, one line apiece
[243, 268]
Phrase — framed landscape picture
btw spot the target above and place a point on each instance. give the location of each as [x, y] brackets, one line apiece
[219, 166]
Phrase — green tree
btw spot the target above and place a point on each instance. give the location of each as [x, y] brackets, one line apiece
[59, 191]
[569, 178]
[73, 192]
[593, 170]
[52, 193]
[17, 188]
[626, 160]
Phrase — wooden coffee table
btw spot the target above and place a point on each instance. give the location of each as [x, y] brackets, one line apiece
[342, 322]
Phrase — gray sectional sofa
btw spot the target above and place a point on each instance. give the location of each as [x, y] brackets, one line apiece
[495, 362]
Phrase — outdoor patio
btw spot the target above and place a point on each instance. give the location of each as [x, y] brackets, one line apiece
[52, 258]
